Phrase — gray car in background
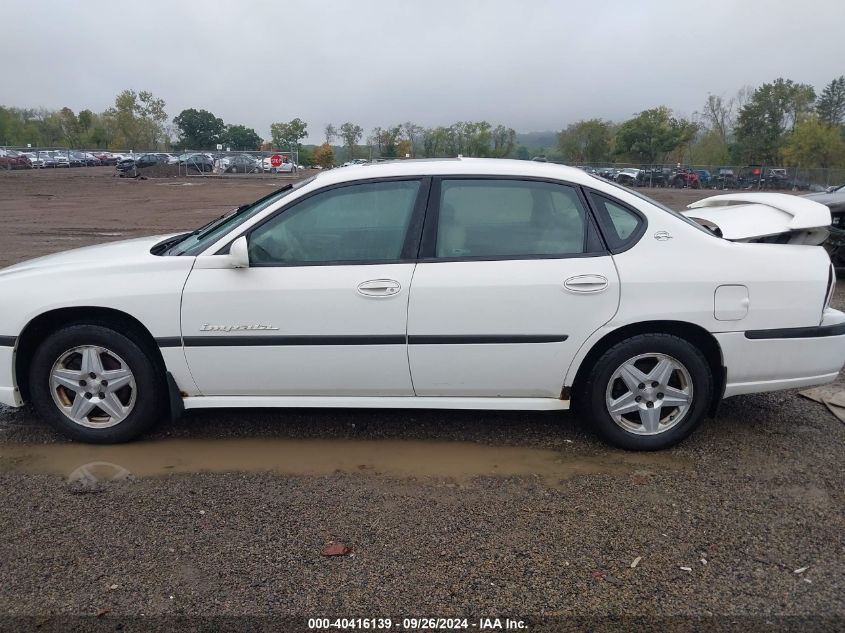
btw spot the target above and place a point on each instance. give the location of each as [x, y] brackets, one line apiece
[834, 198]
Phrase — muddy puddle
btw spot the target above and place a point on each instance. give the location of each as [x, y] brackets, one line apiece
[459, 461]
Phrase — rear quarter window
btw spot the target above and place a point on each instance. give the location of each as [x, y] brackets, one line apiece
[621, 226]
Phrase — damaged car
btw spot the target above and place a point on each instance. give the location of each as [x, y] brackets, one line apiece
[834, 199]
[437, 284]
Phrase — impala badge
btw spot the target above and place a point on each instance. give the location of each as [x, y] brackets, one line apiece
[662, 236]
[236, 328]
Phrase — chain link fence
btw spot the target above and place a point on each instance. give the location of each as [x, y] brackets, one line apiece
[132, 164]
[225, 161]
[58, 157]
[720, 177]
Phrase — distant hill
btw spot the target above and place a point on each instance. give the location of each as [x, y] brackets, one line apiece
[537, 140]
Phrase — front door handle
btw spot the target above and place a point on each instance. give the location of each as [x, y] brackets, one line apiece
[379, 288]
[586, 283]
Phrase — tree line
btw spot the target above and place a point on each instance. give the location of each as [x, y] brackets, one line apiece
[781, 122]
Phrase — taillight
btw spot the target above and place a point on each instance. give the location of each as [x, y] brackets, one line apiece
[831, 285]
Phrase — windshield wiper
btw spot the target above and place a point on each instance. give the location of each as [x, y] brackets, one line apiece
[208, 228]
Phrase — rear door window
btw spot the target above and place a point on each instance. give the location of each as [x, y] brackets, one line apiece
[489, 218]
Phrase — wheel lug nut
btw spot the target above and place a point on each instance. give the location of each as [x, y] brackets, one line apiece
[654, 384]
[104, 383]
[88, 395]
[638, 399]
[660, 396]
[649, 404]
[641, 386]
[82, 383]
[101, 395]
[92, 375]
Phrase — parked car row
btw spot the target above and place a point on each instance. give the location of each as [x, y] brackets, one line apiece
[678, 177]
[685, 177]
[40, 159]
[192, 161]
[206, 162]
[128, 163]
[10, 159]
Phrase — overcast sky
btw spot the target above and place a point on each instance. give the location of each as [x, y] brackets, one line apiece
[532, 65]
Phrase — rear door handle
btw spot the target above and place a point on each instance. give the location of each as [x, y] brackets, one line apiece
[586, 283]
[379, 288]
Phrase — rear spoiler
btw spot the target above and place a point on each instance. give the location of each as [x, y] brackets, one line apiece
[795, 212]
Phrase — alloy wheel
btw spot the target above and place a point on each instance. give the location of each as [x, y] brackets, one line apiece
[93, 386]
[649, 394]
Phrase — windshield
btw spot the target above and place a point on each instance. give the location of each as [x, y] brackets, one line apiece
[660, 205]
[196, 242]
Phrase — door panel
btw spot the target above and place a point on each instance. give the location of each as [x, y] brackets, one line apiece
[327, 338]
[513, 280]
[322, 309]
[508, 302]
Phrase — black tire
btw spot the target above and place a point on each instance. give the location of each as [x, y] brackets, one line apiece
[149, 400]
[592, 393]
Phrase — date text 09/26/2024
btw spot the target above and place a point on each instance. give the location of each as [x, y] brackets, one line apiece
[416, 624]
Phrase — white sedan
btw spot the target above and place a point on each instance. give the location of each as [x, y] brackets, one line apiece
[455, 284]
[286, 167]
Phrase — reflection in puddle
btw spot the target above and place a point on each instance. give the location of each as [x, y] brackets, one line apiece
[395, 458]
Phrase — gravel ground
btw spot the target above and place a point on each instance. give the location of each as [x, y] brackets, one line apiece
[720, 526]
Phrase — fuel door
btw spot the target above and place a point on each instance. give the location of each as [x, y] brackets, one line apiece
[731, 303]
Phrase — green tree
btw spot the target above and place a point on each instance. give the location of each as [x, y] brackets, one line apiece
[137, 119]
[709, 149]
[831, 104]
[199, 129]
[586, 141]
[306, 155]
[351, 134]
[70, 127]
[652, 135]
[813, 143]
[286, 136]
[86, 120]
[771, 112]
[240, 137]
[718, 116]
[388, 140]
[503, 139]
[411, 132]
[324, 156]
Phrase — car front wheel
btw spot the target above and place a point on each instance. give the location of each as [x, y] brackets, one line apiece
[648, 392]
[95, 384]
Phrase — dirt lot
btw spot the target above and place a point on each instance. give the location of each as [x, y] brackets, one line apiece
[57, 209]
[474, 514]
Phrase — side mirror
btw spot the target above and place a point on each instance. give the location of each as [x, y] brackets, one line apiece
[239, 253]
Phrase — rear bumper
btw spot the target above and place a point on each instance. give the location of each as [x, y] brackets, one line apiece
[9, 394]
[770, 360]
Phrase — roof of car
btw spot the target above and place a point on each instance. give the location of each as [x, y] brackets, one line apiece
[455, 167]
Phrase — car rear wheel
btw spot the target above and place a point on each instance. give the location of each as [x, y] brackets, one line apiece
[648, 392]
[95, 384]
